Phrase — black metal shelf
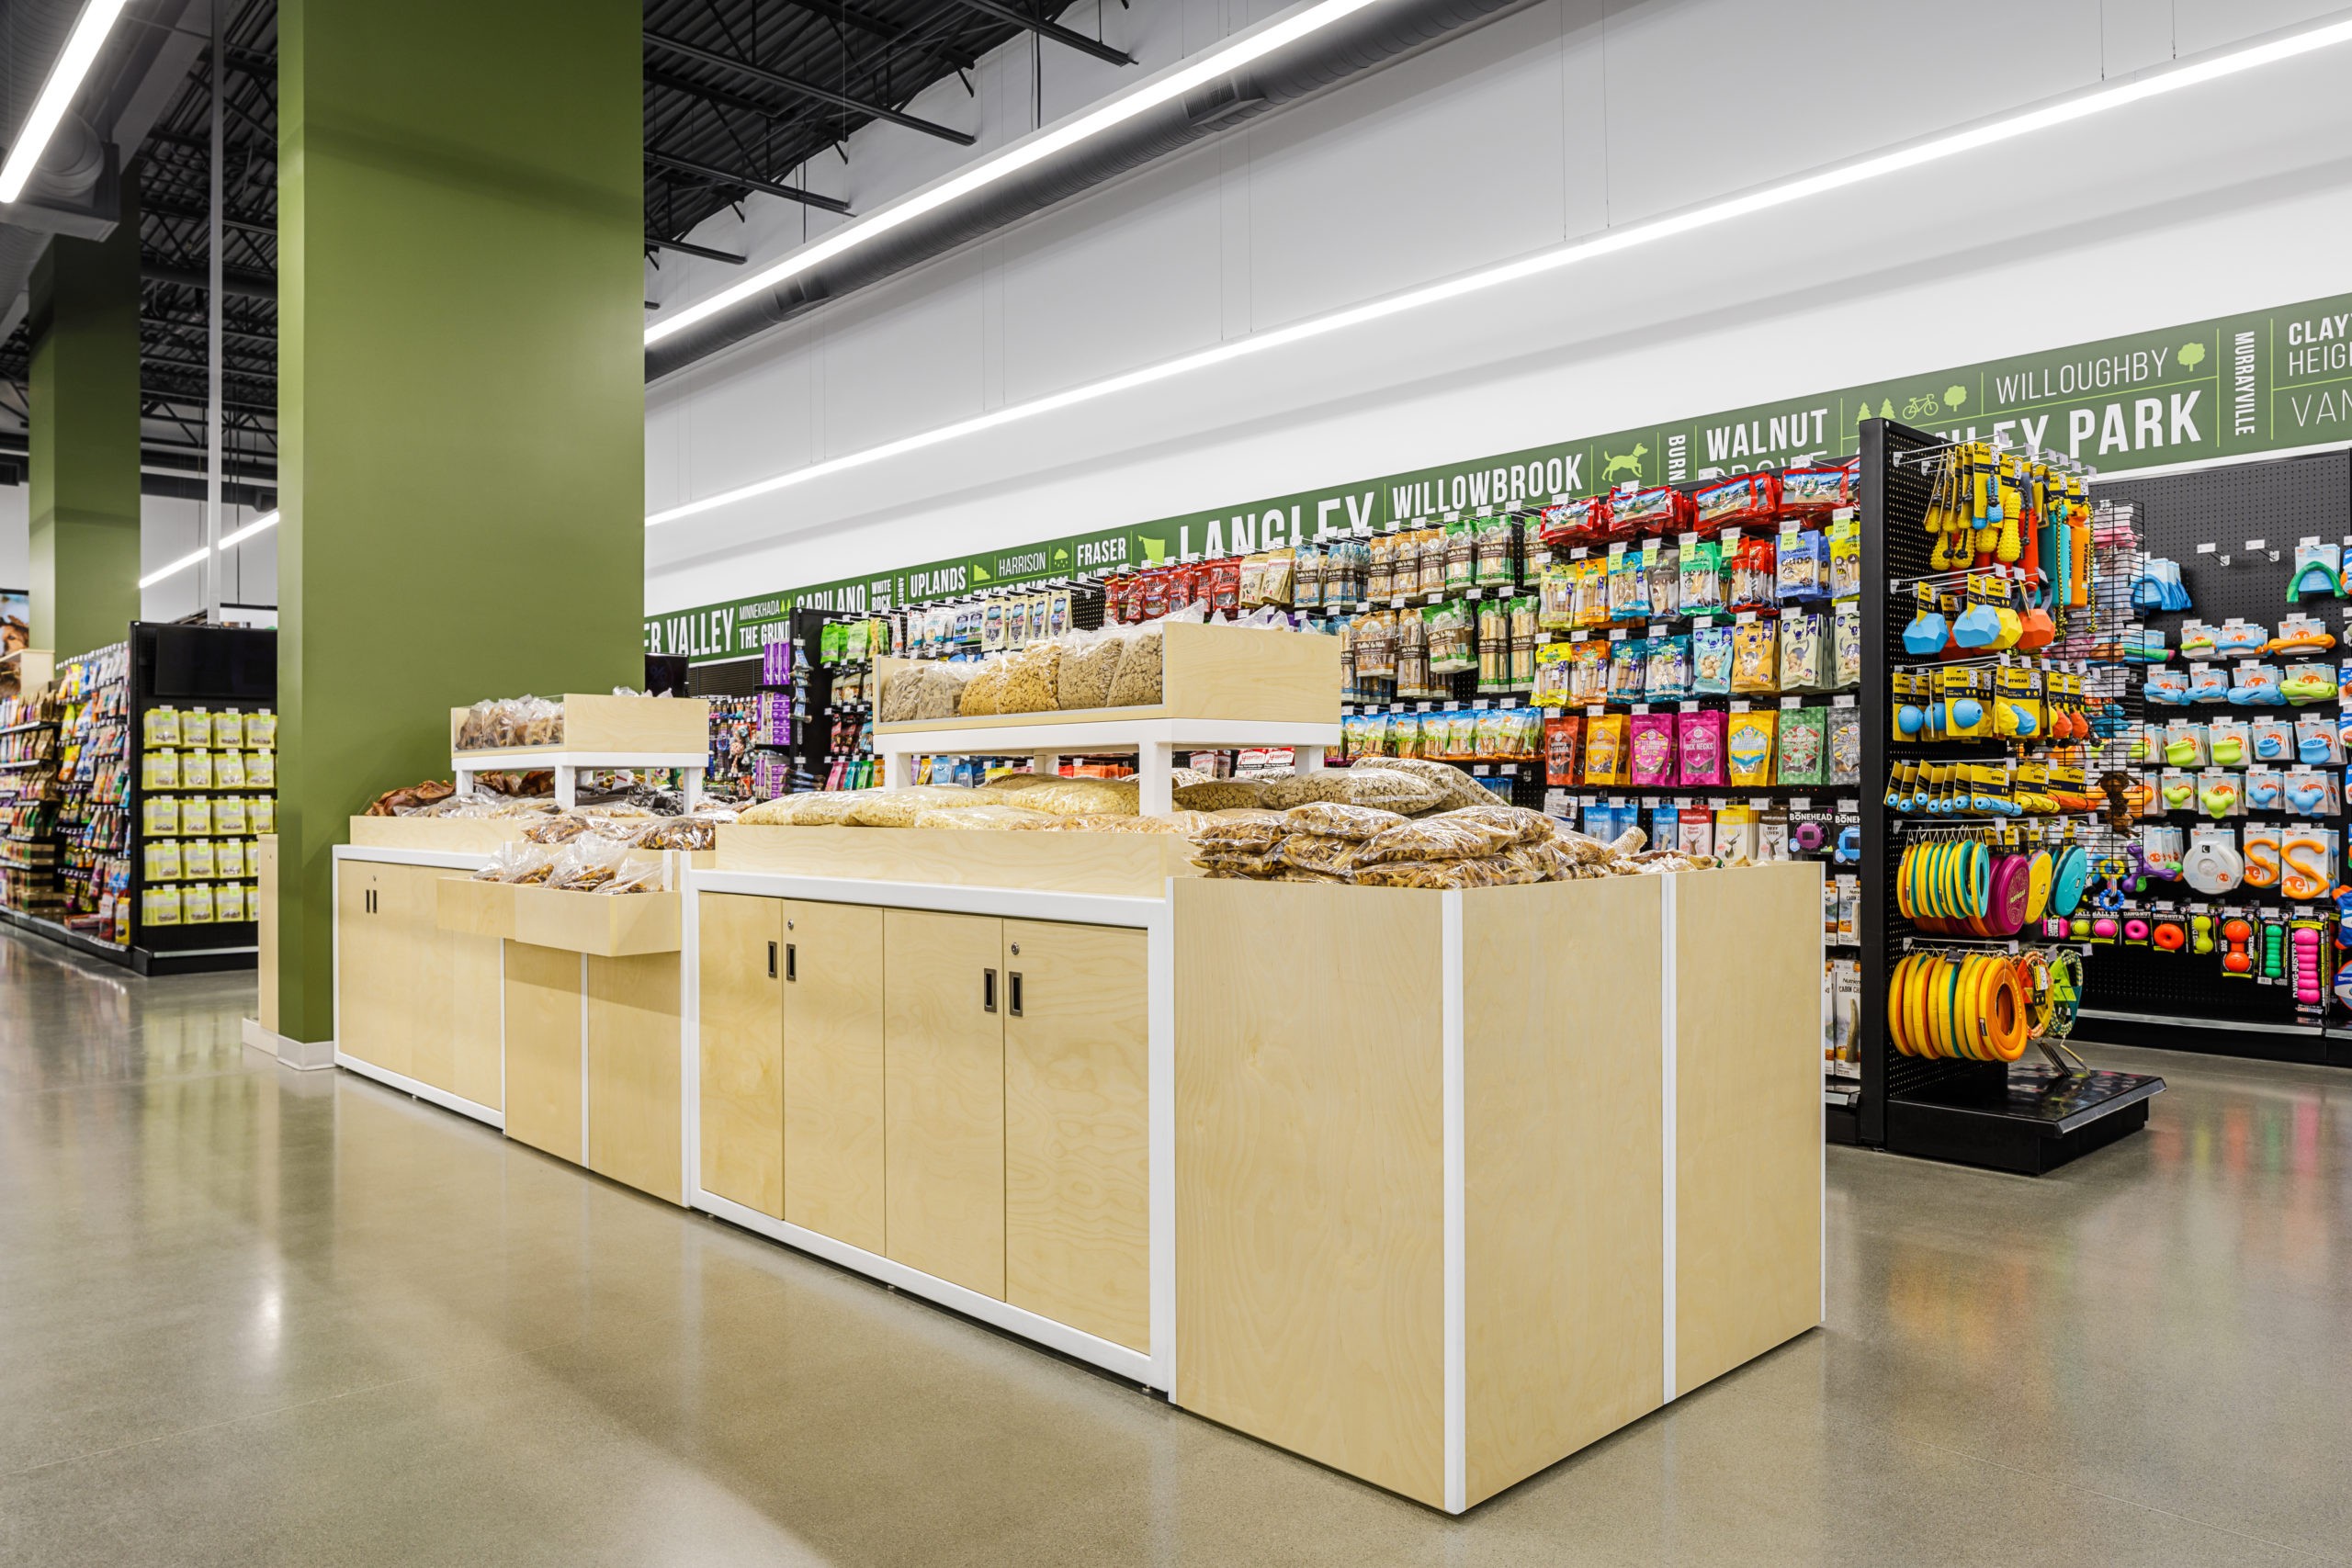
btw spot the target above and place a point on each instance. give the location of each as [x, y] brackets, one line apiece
[2018, 1116]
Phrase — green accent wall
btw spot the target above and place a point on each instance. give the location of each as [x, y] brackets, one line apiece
[461, 401]
[84, 393]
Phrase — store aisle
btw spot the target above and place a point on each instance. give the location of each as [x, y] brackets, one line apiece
[253, 1316]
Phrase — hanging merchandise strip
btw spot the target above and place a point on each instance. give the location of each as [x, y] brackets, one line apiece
[2264, 381]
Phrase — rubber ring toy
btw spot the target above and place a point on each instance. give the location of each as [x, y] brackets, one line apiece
[2170, 936]
[2067, 880]
[2135, 930]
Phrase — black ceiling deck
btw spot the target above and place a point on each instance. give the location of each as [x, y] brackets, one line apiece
[740, 96]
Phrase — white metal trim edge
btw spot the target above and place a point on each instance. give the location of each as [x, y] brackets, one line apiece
[423, 1091]
[1078, 909]
[1159, 1112]
[1458, 1358]
[1669, 1111]
[1134, 1365]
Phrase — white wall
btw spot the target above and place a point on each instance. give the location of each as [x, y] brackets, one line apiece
[168, 529]
[1550, 125]
[16, 537]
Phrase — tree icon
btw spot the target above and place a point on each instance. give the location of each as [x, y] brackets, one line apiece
[2192, 355]
[1887, 411]
[1955, 396]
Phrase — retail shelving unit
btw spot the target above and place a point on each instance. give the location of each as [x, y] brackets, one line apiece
[2233, 530]
[1223, 687]
[197, 672]
[2019, 1116]
[637, 734]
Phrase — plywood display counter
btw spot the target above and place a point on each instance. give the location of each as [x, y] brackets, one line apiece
[1467, 1180]
[555, 1016]
[1434, 1188]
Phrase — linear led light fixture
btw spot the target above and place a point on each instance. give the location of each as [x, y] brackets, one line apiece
[2114, 95]
[57, 94]
[1173, 82]
[260, 524]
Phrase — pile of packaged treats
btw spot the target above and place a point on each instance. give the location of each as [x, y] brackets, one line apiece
[496, 723]
[1115, 666]
[608, 849]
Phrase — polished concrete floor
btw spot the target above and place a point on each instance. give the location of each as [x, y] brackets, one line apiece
[253, 1316]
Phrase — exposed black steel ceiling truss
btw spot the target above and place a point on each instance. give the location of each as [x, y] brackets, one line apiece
[740, 96]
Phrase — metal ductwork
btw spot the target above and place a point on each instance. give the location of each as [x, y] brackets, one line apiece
[1375, 37]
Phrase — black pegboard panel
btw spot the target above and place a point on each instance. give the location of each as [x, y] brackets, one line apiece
[2277, 502]
[726, 677]
[1896, 545]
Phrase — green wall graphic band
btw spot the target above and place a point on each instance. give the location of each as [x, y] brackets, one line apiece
[2228, 386]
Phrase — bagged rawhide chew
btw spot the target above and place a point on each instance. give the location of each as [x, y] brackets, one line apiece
[1335, 819]
[1328, 853]
[1449, 836]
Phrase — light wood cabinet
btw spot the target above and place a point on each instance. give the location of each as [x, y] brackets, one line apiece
[632, 1031]
[835, 965]
[1077, 1149]
[372, 966]
[943, 1079]
[743, 1051]
[417, 1000]
[544, 1048]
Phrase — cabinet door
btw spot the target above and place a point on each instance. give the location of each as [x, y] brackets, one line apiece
[833, 1071]
[635, 1130]
[1077, 1148]
[741, 1049]
[944, 1078]
[405, 907]
[545, 1022]
[371, 970]
[468, 969]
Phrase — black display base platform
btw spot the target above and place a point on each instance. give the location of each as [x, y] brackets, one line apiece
[1841, 1123]
[79, 942]
[2031, 1122]
[196, 961]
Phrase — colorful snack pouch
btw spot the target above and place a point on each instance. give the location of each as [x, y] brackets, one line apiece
[1649, 512]
[1753, 649]
[1650, 747]
[1589, 672]
[1845, 638]
[1747, 746]
[1668, 676]
[1816, 492]
[1662, 580]
[1710, 661]
[1805, 651]
[1629, 595]
[1803, 746]
[1700, 566]
[1557, 593]
[1574, 523]
[1605, 760]
[1699, 738]
[1562, 750]
[1750, 497]
[1628, 667]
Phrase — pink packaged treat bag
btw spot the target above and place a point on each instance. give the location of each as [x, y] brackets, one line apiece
[1700, 749]
[1651, 742]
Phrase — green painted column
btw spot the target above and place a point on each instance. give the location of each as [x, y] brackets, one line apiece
[84, 393]
[461, 401]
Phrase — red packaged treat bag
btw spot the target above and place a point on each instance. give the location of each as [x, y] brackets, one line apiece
[1224, 585]
[1750, 497]
[1153, 601]
[1575, 522]
[1650, 513]
[1563, 750]
[1816, 492]
[1183, 587]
